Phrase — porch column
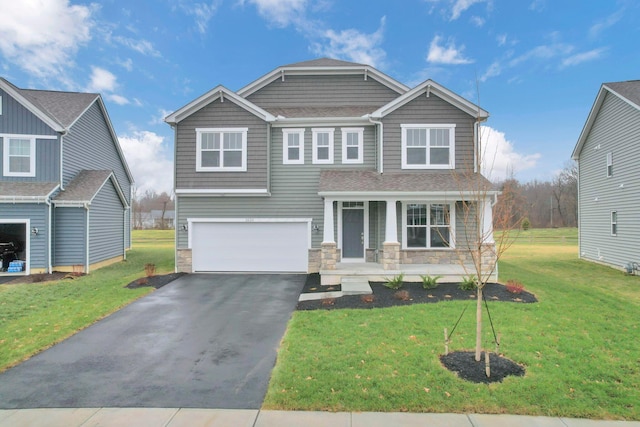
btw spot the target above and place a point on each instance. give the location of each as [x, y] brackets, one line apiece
[327, 236]
[487, 222]
[328, 253]
[391, 246]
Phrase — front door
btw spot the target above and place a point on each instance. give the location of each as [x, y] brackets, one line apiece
[353, 233]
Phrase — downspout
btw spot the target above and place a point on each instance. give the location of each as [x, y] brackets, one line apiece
[380, 143]
[579, 217]
[62, 135]
[124, 234]
[176, 215]
[269, 157]
[86, 263]
[476, 147]
[49, 267]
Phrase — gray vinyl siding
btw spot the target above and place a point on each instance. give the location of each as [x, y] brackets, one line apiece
[38, 214]
[616, 130]
[16, 119]
[69, 243]
[431, 110]
[47, 162]
[221, 115]
[106, 225]
[306, 91]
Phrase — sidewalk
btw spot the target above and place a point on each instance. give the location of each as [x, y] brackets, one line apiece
[160, 417]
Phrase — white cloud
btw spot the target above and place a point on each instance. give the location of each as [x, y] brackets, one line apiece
[202, 12]
[449, 54]
[42, 37]
[602, 25]
[280, 13]
[501, 39]
[142, 46]
[543, 52]
[118, 99]
[499, 159]
[127, 64]
[477, 21]
[579, 58]
[494, 70]
[159, 119]
[537, 5]
[102, 80]
[149, 161]
[460, 6]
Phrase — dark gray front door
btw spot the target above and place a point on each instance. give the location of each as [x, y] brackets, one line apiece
[353, 233]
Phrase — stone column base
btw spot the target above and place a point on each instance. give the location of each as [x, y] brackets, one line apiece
[391, 256]
[328, 256]
[184, 261]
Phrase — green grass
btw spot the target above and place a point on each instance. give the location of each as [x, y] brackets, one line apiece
[578, 344]
[35, 316]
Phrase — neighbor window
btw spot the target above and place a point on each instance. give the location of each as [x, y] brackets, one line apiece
[609, 164]
[293, 146]
[428, 146]
[19, 156]
[614, 223]
[427, 225]
[352, 142]
[322, 145]
[221, 149]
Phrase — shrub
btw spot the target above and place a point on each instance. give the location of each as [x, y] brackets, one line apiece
[429, 282]
[150, 269]
[514, 286]
[402, 295]
[468, 283]
[368, 299]
[526, 224]
[395, 282]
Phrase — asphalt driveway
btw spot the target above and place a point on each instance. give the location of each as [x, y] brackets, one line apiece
[203, 341]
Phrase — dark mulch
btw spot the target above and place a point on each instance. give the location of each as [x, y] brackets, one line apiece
[312, 285]
[465, 365]
[385, 297]
[37, 278]
[154, 281]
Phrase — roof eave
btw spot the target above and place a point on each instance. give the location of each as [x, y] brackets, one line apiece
[409, 195]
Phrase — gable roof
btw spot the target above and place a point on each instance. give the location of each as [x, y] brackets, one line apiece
[628, 91]
[429, 87]
[85, 186]
[12, 191]
[216, 93]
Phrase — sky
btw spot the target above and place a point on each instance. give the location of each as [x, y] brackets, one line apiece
[535, 65]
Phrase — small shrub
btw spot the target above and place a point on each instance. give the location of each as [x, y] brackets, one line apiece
[514, 286]
[367, 299]
[468, 283]
[328, 301]
[143, 281]
[402, 295]
[429, 282]
[150, 269]
[395, 282]
[526, 224]
[37, 278]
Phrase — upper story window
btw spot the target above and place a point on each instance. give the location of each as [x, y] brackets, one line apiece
[221, 149]
[428, 146]
[609, 164]
[427, 225]
[293, 146]
[322, 145]
[352, 145]
[19, 156]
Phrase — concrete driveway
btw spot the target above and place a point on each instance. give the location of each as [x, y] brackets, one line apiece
[203, 341]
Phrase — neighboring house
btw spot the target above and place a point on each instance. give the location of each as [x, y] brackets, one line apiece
[326, 166]
[65, 187]
[608, 155]
[156, 219]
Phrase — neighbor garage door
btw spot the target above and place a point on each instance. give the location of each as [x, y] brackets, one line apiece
[250, 246]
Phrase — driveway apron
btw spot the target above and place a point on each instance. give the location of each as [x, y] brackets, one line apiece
[202, 341]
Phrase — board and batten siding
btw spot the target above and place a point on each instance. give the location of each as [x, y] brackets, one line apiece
[431, 110]
[16, 119]
[616, 130]
[219, 114]
[310, 91]
[38, 214]
[106, 225]
[47, 162]
[69, 240]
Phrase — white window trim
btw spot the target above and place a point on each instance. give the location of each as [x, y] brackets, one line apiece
[0, 105]
[315, 132]
[285, 146]
[609, 164]
[452, 225]
[452, 145]
[5, 155]
[360, 158]
[200, 168]
[612, 223]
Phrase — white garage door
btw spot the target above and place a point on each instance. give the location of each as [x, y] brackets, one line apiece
[250, 246]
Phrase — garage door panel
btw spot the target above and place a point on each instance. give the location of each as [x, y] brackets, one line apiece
[250, 246]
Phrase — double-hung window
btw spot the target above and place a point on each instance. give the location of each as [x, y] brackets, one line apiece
[609, 164]
[293, 146]
[428, 146]
[427, 225]
[614, 223]
[19, 156]
[352, 145]
[221, 149]
[322, 145]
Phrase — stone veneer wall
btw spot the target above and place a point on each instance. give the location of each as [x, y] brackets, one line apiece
[447, 256]
[184, 261]
[315, 260]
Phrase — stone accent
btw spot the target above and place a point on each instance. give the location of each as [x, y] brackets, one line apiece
[328, 256]
[435, 257]
[184, 263]
[371, 255]
[315, 260]
[489, 256]
[391, 256]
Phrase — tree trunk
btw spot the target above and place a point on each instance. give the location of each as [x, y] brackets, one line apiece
[479, 323]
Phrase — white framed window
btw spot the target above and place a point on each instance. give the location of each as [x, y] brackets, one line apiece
[428, 225]
[352, 145]
[221, 149]
[614, 223]
[293, 146]
[322, 145]
[428, 146]
[609, 164]
[19, 156]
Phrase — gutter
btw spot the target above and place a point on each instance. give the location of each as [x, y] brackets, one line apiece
[62, 135]
[380, 143]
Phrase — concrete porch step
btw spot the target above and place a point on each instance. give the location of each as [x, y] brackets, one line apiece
[355, 285]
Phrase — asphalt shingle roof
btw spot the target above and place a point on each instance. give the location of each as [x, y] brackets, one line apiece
[84, 186]
[11, 189]
[63, 107]
[629, 89]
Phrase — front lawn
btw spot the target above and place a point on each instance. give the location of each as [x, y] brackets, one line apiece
[578, 345]
[35, 316]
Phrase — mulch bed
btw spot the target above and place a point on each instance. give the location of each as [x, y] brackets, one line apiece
[465, 365]
[154, 281]
[313, 286]
[385, 297]
[38, 278]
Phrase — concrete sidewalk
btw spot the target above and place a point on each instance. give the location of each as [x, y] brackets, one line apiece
[176, 417]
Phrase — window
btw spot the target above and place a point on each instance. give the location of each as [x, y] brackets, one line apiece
[322, 145]
[428, 146]
[293, 146]
[221, 149]
[352, 142]
[614, 223]
[19, 157]
[427, 225]
[609, 164]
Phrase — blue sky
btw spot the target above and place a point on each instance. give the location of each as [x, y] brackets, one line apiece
[535, 65]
